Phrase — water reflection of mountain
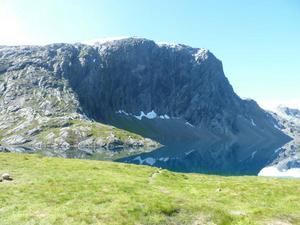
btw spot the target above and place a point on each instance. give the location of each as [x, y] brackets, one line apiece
[224, 158]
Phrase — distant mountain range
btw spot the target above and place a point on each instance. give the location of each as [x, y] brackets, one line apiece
[125, 93]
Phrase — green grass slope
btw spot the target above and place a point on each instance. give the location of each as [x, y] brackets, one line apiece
[69, 191]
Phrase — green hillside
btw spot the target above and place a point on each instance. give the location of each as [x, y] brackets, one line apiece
[69, 191]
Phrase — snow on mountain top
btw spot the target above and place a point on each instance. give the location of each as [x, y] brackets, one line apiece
[169, 44]
[291, 112]
[274, 104]
[247, 98]
[201, 54]
[284, 107]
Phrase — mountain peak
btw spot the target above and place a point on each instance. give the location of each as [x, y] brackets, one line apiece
[105, 40]
[291, 112]
[166, 44]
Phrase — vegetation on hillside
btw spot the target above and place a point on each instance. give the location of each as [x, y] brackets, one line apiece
[71, 191]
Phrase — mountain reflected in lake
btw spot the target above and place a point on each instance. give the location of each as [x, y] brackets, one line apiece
[219, 158]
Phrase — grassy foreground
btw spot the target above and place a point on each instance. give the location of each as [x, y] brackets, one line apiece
[69, 191]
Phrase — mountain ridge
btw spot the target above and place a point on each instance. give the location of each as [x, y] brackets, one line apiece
[184, 87]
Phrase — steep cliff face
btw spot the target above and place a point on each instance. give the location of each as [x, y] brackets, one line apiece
[161, 91]
[137, 75]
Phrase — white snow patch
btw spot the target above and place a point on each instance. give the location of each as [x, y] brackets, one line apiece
[149, 160]
[167, 117]
[164, 116]
[272, 171]
[277, 127]
[189, 152]
[140, 116]
[201, 54]
[277, 150]
[149, 115]
[138, 159]
[123, 112]
[253, 154]
[189, 124]
[168, 44]
[253, 123]
[164, 159]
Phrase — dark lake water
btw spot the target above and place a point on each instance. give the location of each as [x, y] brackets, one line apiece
[223, 158]
[218, 158]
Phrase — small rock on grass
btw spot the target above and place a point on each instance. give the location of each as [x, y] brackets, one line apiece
[6, 176]
[218, 190]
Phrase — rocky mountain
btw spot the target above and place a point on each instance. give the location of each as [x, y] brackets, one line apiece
[288, 159]
[39, 109]
[77, 94]
[288, 113]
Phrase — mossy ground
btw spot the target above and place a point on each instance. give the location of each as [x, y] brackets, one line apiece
[70, 191]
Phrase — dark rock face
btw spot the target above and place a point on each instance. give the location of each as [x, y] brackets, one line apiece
[135, 75]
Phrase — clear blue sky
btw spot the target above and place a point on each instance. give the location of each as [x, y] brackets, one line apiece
[258, 41]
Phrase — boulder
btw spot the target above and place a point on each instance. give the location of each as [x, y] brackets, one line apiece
[6, 176]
